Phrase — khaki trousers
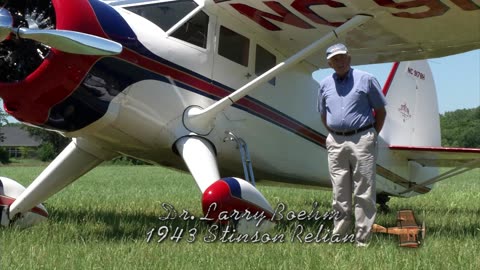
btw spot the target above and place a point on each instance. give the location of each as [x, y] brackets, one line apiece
[352, 166]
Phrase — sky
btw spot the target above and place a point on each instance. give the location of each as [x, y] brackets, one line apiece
[457, 79]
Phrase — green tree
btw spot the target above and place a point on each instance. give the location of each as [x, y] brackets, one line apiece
[3, 118]
[46, 152]
[4, 158]
[3, 121]
[461, 128]
[52, 142]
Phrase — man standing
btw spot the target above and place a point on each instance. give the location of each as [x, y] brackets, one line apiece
[352, 108]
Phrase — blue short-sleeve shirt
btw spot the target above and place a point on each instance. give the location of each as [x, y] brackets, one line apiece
[348, 103]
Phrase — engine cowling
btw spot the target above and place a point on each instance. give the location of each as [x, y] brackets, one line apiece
[33, 76]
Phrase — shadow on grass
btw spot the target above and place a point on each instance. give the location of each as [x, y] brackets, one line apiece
[121, 226]
[116, 226]
[135, 226]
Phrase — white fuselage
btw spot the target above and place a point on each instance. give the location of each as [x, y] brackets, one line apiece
[279, 121]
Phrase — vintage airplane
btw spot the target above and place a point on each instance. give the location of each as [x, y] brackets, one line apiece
[407, 229]
[191, 81]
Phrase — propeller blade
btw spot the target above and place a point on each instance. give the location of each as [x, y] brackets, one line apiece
[72, 42]
[63, 40]
[424, 230]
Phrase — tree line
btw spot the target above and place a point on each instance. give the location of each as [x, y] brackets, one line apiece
[3, 121]
[460, 128]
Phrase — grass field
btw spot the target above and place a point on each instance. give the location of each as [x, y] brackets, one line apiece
[102, 221]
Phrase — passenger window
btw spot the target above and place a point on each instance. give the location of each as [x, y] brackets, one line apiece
[233, 46]
[194, 31]
[164, 15]
[264, 61]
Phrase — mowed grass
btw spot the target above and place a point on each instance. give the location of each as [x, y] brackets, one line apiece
[101, 221]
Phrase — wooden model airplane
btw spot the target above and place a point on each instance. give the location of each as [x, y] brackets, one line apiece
[407, 230]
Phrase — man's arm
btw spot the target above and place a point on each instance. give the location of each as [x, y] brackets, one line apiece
[378, 101]
[380, 115]
[321, 107]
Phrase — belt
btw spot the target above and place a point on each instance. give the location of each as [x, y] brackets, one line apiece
[352, 132]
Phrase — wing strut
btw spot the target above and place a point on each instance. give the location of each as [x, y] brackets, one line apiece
[200, 120]
[75, 160]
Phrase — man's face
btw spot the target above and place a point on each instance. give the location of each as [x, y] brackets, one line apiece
[340, 63]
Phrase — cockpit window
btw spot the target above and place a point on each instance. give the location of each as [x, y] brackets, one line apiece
[165, 15]
[233, 46]
[265, 60]
[194, 31]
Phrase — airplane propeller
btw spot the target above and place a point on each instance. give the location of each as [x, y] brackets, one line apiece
[423, 230]
[62, 40]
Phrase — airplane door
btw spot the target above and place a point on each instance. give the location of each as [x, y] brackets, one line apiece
[232, 58]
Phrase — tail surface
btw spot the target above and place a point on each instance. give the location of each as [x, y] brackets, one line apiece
[411, 151]
[412, 110]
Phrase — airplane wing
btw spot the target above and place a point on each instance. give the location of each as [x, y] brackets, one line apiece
[440, 156]
[416, 29]
[459, 160]
[406, 220]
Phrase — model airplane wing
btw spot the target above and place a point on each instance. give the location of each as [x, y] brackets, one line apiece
[406, 220]
[407, 229]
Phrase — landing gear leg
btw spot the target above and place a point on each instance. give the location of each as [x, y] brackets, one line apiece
[382, 200]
